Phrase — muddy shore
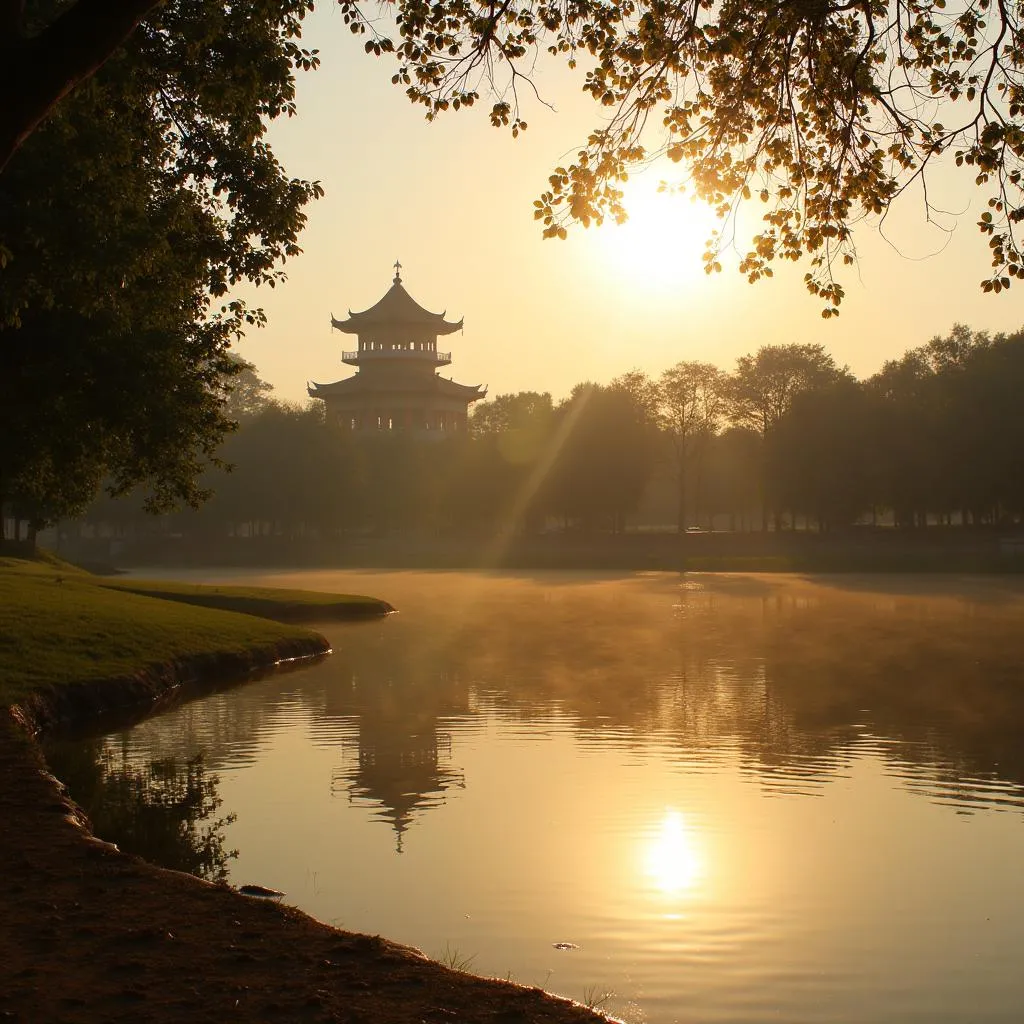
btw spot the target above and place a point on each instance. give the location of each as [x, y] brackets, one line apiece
[89, 934]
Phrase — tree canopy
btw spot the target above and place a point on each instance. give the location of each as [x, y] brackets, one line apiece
[144, 198]
[935, 439]
[825, 111]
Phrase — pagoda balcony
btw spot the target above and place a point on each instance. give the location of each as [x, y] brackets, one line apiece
[368, 355]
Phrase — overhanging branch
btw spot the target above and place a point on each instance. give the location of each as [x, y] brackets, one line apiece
[37, 71]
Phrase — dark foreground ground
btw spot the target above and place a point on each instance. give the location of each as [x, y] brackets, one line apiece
[88, 934]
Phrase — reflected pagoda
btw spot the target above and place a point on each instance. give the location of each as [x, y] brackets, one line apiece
[396, 386]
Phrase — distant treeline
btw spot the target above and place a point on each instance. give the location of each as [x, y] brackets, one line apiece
[786, 440]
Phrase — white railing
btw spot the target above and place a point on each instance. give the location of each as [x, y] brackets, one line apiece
[396, 353]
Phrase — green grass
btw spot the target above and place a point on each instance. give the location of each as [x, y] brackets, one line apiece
[62, 626]
[273, 603]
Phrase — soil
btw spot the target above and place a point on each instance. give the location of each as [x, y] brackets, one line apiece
[90, 934]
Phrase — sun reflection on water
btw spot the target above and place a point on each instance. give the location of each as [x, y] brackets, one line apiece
[673, 858]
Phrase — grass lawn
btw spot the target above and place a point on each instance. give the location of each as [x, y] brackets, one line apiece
[271, 602]
[62, 626]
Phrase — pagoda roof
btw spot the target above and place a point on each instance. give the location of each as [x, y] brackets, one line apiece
[397, 309]
[358, 383]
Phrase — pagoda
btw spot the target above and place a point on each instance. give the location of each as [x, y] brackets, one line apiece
[396, 386]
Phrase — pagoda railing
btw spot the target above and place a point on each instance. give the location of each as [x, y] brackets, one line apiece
[423, 355]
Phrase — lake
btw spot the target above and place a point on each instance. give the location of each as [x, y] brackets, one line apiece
[681, 798]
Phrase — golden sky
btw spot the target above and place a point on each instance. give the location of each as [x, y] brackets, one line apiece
[453, 201]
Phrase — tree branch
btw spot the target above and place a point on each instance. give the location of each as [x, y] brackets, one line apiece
[36, 72]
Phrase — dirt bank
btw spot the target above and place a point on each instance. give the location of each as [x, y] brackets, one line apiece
[88, 934]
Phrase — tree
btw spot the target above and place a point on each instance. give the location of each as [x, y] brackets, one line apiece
[825, 110]
[520, 423]
[991, 418]
[643, 392]
[142, 200]
[81, 400]
[765, 384]
[47, 50]
[692, 401]
[175, 110]
[248, 394]
[734, 475]
[293, 476]
[48, 47]
[512, 438]
[953, 438]
[603, 450]
[822, 453]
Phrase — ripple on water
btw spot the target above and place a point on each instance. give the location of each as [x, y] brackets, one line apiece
[743, 800]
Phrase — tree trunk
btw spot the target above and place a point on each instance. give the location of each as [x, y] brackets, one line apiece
[681, 498]
[697, 489]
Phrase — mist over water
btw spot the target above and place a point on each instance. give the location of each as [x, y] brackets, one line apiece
[732, 798]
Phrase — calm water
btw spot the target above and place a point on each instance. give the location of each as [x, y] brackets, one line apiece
[743, 799]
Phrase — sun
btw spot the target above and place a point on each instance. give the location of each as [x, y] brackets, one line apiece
[661, 245]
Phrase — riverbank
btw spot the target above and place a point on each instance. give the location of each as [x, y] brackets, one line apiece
[862, 549]
[266, 602]
[91, 934]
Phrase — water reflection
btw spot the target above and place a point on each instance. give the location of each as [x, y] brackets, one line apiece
[796, 677]
[401, 761]
[743, 799]
[164, 811]
[673, 860]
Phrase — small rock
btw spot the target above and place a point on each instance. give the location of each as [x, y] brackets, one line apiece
[261, 891]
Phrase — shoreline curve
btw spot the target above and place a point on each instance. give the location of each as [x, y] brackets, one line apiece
[93, 934]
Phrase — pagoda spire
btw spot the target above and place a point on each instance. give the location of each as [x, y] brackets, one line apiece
[398, 272]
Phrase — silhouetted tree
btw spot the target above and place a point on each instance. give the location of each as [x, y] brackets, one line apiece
[821, 454]
[145, 198]
[764, 386]
[813, 108]
[513, 437]
[692, 400]
[733, 476]
[935, 435]
[604, 448]
[248, 395]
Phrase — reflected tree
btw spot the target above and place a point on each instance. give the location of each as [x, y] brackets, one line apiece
[165, 811]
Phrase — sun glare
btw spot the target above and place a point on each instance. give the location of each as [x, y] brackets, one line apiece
[661, 244]
[673, 860]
